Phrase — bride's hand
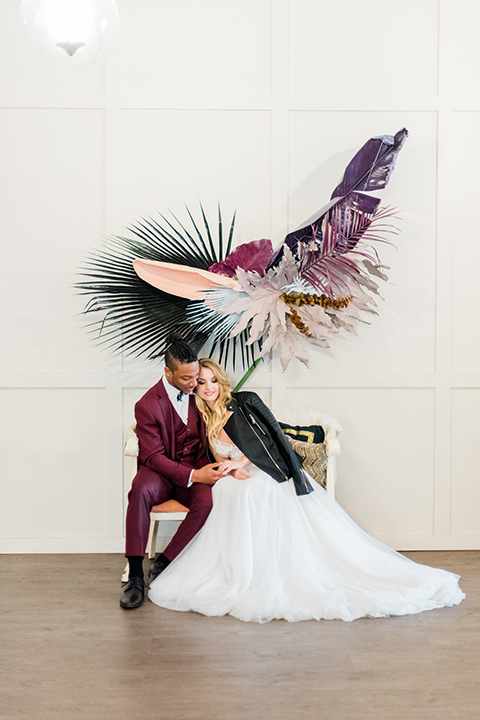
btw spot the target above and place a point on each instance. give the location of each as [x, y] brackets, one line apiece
[240, 474]
[227, 466]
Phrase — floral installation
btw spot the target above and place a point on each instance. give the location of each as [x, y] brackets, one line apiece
[251, 301]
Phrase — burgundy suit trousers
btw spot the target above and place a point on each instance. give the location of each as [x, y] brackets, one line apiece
[148, 489]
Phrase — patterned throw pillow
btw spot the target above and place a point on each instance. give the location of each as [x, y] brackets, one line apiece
[313, 457]
[307, 433]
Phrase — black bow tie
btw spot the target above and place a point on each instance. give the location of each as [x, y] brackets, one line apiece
[180, 396]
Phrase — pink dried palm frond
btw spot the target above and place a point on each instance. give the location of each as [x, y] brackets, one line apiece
[334, 266]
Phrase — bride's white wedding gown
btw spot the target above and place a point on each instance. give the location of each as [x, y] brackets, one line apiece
[266, 553]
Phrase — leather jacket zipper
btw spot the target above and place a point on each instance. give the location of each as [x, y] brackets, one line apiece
[254, 422]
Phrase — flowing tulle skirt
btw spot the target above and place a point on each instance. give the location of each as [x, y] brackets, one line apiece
[266, 554]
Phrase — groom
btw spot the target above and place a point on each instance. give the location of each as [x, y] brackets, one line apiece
[172, 463]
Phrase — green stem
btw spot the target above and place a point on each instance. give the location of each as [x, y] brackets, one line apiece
[247, 375]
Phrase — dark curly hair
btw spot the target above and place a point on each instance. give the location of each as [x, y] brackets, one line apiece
[178, 352]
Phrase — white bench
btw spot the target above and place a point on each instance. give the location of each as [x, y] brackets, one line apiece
[171, 512]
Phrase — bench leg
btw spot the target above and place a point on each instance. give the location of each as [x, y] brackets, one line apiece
[152, 538]
[331, 476]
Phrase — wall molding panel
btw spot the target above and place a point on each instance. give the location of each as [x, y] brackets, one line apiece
[244, 105]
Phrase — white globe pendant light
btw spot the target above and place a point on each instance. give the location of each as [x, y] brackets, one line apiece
[70, 33]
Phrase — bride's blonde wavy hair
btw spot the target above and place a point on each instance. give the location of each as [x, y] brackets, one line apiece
[215, 419]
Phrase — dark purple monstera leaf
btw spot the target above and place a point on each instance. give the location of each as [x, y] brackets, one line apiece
[253, 256]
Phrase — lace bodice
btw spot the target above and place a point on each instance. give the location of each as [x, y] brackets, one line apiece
[227, 450]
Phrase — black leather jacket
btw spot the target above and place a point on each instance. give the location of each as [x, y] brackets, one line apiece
[254, 430]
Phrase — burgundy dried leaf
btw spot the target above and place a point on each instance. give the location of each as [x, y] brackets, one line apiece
[253, 256]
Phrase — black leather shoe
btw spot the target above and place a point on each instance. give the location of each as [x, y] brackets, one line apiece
[133, 594]
[157, 567]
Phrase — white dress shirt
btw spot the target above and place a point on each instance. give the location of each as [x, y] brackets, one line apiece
[181, 406]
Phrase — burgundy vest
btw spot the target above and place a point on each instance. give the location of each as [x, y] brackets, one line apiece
[187, 437]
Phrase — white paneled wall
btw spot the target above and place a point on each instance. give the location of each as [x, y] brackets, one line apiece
[258, 105]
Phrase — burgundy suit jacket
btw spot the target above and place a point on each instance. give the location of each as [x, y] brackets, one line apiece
[156, 417]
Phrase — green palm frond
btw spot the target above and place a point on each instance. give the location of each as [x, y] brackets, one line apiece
[136, 318]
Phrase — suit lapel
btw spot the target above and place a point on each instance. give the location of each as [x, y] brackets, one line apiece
[167, 419]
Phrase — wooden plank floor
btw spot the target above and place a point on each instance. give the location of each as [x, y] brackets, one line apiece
[67, 651]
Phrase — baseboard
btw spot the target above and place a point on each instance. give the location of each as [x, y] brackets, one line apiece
[117, 545]
[431, 542]
[61, 545]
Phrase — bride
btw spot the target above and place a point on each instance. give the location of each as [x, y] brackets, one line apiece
[275, 545]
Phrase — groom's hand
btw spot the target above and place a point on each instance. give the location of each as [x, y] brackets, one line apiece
[208, 474]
